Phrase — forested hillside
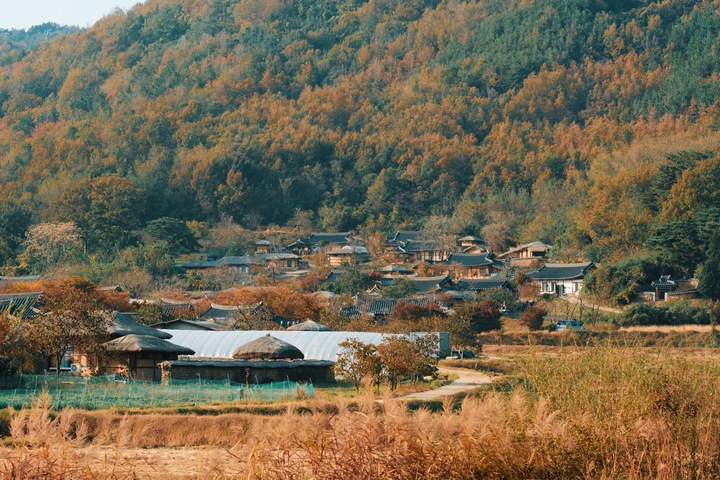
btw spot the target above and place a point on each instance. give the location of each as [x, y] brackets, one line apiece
[587, 124]
[15, 44]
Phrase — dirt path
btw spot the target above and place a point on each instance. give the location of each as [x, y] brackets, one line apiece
[467, 380]
[589, 304]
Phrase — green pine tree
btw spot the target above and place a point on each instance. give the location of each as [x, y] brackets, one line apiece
[709, 278]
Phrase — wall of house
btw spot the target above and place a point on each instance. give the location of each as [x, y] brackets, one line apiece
[241, 374]
[526, 262]
[564, 287]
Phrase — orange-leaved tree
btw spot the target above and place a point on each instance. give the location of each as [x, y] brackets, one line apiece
[357, 361]
[71, 318]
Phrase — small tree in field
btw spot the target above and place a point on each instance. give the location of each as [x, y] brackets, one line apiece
[533, 317]
[357, 361]
[483, 316]
[72, 317]
[402, 357]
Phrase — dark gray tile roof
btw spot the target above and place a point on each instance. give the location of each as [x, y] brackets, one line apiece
[418, 246]
[332, 276]
[233, 261]
[663, 282]
[477, 284]
[201, 264]
[383, 306]
[533, 247]
[16, 303]
[402, 236]
[266, 257]
[561, 271]
[473, 259]
[429, 284]
[396, 269]
[324, 238]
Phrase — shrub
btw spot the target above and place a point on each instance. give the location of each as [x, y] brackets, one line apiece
[483, 316]
[533, 317]
[672, 313]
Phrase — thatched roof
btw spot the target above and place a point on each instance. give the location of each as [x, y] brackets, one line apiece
[124, 324]
[145, 343]
[267, 348]
[310, 326]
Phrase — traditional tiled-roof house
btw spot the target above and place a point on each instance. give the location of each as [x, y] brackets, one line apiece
[244, 264]
[413, 246]
[423, 285]
[669, 289]
[349, 254]
[279, 261]
[323, 242]
[390, 270]
[237, 264]
[471, 244]
[472, 265]
[561, 278]
[480, 284]
[382, 308]
[20, 304]
[526, 255]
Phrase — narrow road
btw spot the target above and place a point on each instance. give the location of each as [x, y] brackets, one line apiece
[468, 380]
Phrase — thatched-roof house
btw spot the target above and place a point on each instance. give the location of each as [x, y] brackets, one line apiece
[268, 348]
[145, 343]
[124, 324]
[310, 326]
[139, 355]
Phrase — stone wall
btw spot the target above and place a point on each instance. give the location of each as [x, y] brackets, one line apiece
[250, 371]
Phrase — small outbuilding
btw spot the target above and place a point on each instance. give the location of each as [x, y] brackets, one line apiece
[138, 356]
[262, 360]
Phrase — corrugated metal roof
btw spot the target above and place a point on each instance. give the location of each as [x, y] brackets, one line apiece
[315, 345]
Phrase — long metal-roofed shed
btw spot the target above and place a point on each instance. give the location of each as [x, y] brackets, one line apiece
[314, 345]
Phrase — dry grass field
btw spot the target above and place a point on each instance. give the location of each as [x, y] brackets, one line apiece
[669, 328]
[595, 413]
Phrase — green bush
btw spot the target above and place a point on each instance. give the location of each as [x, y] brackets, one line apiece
[673, 313]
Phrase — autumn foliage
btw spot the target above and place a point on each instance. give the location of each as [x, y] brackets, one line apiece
[279, 300]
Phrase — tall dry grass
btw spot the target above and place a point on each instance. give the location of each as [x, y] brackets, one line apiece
[598, 413]
[601, 413]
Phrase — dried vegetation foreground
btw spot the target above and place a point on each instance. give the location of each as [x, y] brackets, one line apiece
[599, 413]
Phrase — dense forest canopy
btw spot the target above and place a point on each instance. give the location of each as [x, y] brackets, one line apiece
[587, 124]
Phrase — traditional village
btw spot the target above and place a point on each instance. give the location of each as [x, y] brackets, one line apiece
[360, 239]
[414, 275]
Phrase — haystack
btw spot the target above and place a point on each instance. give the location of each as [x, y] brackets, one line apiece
[268, 348]
[310, 326]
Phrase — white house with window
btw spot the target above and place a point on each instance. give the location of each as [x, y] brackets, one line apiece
[561, 278]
